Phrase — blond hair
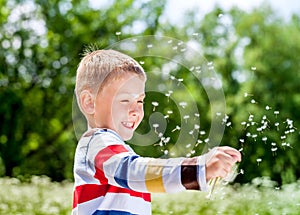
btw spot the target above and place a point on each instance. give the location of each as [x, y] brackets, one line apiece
[99, 67]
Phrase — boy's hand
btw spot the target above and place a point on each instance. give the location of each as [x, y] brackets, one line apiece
[220, 160]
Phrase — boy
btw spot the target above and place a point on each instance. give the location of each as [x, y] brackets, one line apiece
[110, 178]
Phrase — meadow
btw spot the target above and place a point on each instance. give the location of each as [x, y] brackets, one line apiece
[40, 196]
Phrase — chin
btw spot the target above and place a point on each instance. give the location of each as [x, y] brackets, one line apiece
[126, 137]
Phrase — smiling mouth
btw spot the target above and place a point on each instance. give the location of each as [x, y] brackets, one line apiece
[129, 125]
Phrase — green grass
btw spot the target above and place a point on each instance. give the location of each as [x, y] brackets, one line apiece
[40, 196]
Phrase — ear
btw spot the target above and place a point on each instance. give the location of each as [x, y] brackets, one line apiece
[87, 102]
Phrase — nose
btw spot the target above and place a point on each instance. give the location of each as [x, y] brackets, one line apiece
[134, 110]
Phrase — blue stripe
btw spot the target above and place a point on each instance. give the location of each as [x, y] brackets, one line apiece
[122, 170]
[112, 213]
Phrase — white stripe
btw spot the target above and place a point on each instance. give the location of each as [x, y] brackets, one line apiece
[137, 174]
[89, 207]
[111, 165]
[172, 175]
[125, 202]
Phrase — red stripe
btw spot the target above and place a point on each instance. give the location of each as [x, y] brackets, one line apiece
[102, 156]
[87, 192]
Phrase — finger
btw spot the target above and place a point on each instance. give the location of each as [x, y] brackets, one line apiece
[233, 153]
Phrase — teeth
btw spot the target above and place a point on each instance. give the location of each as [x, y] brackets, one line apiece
[128, 124]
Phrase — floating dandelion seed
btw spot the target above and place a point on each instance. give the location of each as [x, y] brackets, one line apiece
[268, 107]
[224, 120]
[253, 68]
[202, 133]
[155, 126]
[183, 104]
[283, 137]
[276, 112]
[172, 77]
[242, 140]
[155, 104]
[186, 117]
[210, 65]
[197, 115]
[277, 125]
[254, 136]
[142, 62]
[253, 101]
[176, 128]
[166, 152]
[188, 146]
[195, 34]
[264, 139]
[196, 127]
[250, 118]
[175, 48]
[241, 149]
[247, 94]
[258, 160]
[169, 112]
[179, 80]
[149, 46]
[228, 124]
[220, 15]
[206, 140]
[170, 41]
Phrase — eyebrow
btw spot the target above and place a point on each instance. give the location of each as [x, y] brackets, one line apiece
[135, 95]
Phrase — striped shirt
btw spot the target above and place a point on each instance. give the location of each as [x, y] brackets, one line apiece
[110, 178]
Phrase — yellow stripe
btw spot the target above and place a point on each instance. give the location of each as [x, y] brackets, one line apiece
[153, 176]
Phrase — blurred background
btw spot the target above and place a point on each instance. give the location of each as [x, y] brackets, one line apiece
[254, 48]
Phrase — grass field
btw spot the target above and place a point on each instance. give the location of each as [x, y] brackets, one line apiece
[41, 197]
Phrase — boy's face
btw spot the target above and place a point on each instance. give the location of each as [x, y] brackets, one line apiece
[119, 105]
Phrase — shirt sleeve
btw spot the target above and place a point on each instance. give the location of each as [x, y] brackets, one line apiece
[117, 164]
